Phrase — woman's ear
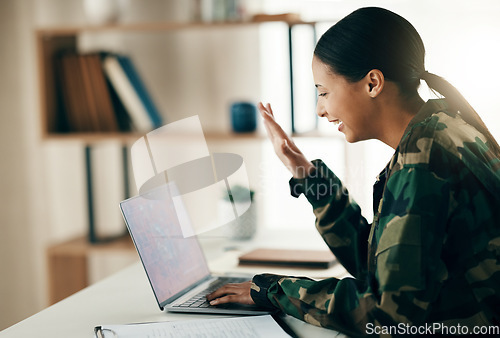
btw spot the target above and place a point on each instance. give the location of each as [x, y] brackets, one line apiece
[375, 82]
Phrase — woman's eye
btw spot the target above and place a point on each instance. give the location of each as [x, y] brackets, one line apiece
[322, 94]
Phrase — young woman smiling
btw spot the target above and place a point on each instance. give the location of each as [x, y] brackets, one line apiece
[431, 256]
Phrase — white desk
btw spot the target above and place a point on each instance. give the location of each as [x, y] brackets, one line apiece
[126, 297]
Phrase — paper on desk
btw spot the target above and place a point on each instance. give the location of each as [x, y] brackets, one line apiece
[239, 327]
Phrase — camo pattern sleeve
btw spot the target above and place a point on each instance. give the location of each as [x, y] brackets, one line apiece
[433, 248]
[338, 217]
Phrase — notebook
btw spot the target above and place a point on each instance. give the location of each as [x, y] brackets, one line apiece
[175, 266]
[314, 259]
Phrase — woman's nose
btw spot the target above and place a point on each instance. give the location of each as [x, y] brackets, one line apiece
[320, 110]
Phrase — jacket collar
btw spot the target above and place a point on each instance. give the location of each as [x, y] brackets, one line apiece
[430, 107]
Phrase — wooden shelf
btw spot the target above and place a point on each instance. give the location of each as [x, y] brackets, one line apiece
[52, 40]
[68, 264]
[90, 138]
[158, 26]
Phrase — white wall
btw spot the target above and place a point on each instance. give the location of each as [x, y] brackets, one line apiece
[16, 259]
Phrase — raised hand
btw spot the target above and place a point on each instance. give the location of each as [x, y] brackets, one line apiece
[284, 146]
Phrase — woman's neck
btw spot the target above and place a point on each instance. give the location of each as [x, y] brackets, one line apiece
[398, 113]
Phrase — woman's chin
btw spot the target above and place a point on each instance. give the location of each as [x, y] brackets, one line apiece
[350, 138]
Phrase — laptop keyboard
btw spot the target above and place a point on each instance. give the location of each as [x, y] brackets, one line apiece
[199, 300]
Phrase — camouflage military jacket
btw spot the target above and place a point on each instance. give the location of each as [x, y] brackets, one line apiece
[430, 260]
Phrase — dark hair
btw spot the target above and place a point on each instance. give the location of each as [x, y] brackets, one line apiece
[376, 38]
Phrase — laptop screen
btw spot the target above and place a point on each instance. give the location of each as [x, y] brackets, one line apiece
[173, 263]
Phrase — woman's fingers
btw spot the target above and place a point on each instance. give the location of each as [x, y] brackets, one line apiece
[232, 293]
[273, 129]
[266, 114]
[217, 293]
[285, 148]
[269, 109]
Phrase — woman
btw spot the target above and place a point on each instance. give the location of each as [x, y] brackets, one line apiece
[431, 258]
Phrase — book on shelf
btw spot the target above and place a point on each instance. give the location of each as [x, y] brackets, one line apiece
[122, 116]
[129, 96]
[86, 99]
[103, 92]
[72, 89]
[94, 122]
[140, 88]
[63, 92]
[107, 117]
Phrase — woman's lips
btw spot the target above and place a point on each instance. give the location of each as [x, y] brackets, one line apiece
[338, 122]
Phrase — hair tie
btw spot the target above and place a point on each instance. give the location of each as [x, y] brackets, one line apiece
[423, 74]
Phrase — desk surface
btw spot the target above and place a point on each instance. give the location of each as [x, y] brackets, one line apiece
[126, 297]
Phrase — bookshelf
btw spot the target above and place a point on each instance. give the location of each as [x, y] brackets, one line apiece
[52, 40]
[49, 42]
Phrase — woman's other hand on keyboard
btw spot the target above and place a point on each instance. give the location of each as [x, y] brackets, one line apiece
[232, 293]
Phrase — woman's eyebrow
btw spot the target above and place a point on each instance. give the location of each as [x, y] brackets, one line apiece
[317, 85]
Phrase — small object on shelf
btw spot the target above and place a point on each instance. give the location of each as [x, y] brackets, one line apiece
[100, 12]
[218, 10]
[243, 117]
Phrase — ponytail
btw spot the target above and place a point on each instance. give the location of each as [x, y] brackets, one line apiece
[458, 103]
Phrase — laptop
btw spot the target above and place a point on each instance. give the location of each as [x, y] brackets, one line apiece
[175, 266]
